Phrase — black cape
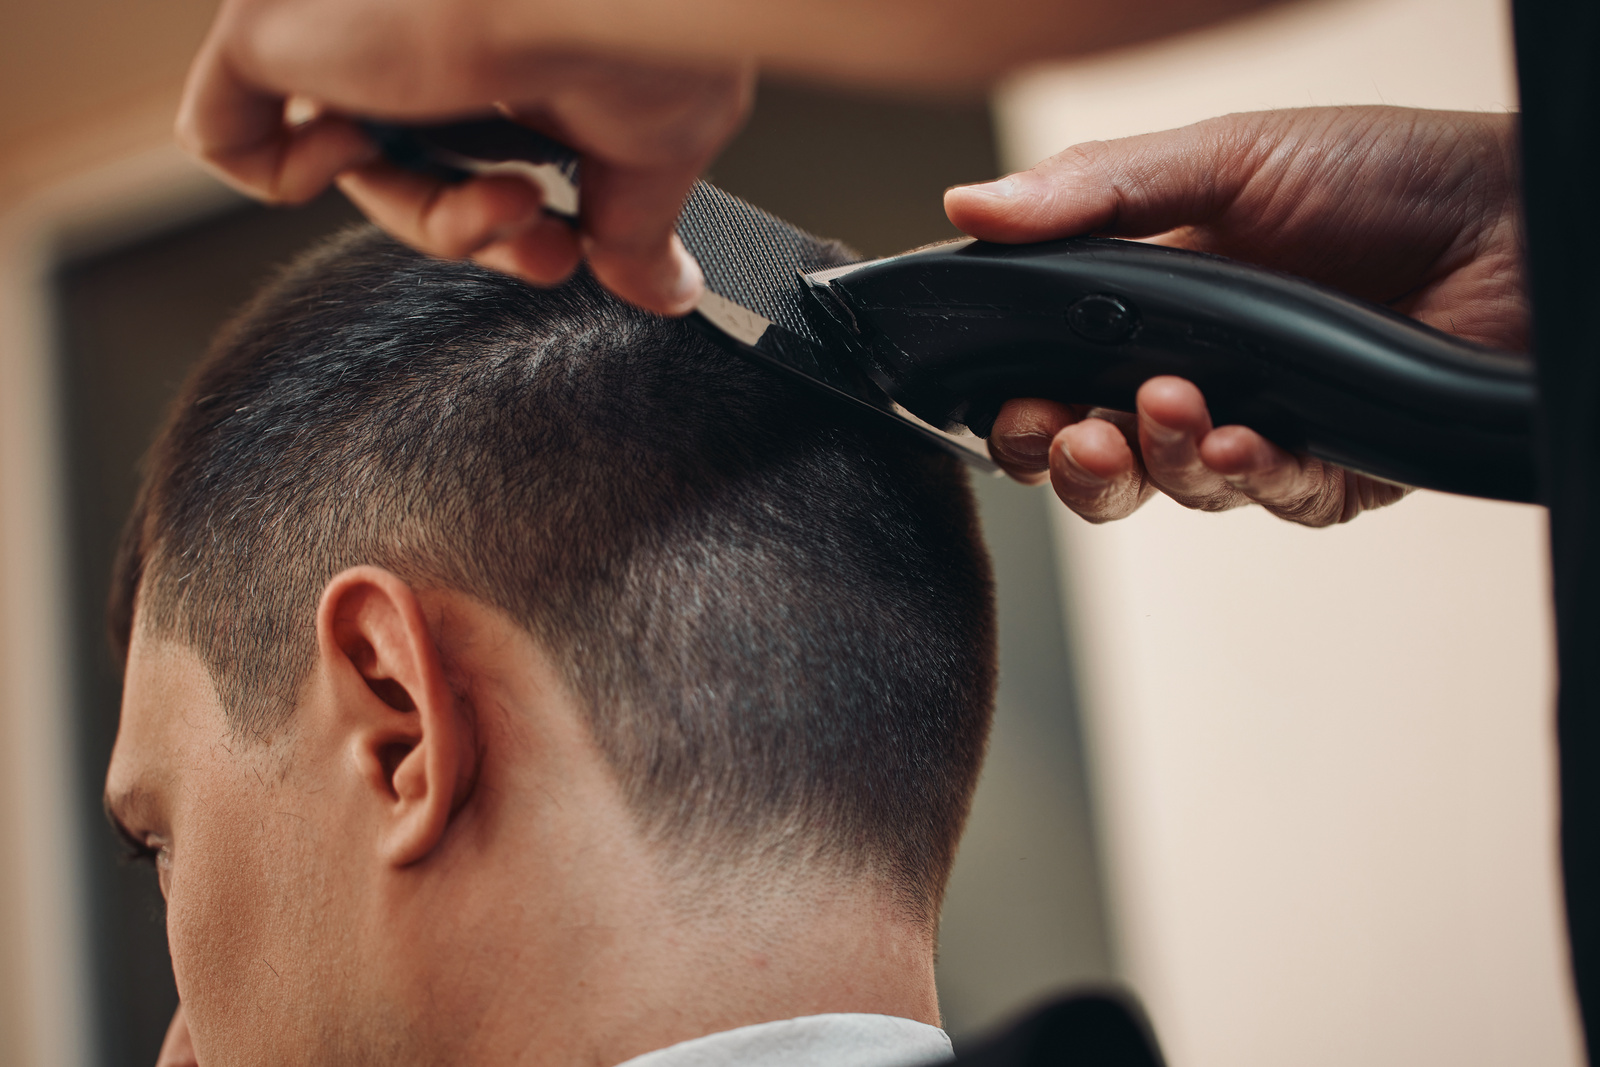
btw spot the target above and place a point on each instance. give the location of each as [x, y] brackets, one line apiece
[1558, 66]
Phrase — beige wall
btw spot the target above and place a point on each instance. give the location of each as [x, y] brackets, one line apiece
[1323, 758]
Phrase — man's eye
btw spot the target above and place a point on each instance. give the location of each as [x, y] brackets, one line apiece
[139, 852]
[135, 850]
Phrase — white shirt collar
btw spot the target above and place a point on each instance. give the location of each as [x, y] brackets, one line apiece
[835, 1040]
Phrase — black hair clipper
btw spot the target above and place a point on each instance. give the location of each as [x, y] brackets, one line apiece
[939, 337]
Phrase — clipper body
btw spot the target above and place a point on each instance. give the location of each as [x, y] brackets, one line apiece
[954, 331]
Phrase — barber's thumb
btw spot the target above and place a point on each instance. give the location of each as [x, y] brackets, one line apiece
[1131, 187]
[1057, 198]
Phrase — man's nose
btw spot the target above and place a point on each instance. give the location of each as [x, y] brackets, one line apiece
[177, 1050]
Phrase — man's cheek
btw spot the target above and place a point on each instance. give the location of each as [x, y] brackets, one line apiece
[229, 928]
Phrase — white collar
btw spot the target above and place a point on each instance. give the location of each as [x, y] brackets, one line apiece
[835, 1040]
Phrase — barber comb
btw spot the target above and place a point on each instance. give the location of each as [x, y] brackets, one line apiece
[938, 338]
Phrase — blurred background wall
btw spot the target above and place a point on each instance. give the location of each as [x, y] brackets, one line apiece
[1315, 764]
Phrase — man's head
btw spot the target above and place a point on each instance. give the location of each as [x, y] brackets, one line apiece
[489, 641]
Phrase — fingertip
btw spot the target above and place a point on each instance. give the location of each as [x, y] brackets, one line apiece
[1024, 429]
[491, 208]
[667, 281]
[1095, 448]
[977, 204]
[1095, 496]
[686, 282]
[1063, 196]
[544, 253]
[1175, 404]
[1023, 453]
[1066, 466]
[1304, 491]
[1026, 474]
[445, 220]
[1019, 207]
[1235, 451]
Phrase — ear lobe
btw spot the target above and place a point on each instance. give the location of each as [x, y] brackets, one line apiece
[410, 738]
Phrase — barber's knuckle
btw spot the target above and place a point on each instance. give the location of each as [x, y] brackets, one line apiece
[1319, 501]
[1120, 498]
[1099, 511]
[1082, 499]
[1193, 486]
[1089, 156]
[1216, 500]
[1096, 503]
[1177, 473]
[1367, 494]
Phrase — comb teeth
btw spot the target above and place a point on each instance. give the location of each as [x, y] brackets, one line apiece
[754, 259]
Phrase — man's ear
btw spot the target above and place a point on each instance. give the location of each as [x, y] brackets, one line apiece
[411, 737]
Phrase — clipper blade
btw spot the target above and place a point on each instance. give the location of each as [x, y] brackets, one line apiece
[754, 264]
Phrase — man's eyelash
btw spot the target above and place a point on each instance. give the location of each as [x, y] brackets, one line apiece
[134, 849]
[138, 852]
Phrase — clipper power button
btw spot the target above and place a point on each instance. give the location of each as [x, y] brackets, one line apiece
[1102, 318]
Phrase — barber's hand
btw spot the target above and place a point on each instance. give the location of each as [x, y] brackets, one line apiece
[645, 131]
[1414, 209]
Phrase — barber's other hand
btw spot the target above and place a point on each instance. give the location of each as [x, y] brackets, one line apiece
[646, 132]
[1414, 209]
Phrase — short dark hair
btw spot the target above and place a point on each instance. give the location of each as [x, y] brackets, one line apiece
[778, 619]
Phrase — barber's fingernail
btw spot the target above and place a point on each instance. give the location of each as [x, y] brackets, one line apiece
[1075, 471]
[1001, 188]
[1025, 445]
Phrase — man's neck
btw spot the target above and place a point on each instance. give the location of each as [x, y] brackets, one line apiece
[607, 988]
[575, 945]
[805, 956]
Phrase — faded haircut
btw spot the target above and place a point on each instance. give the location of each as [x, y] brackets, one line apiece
[778, 619]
